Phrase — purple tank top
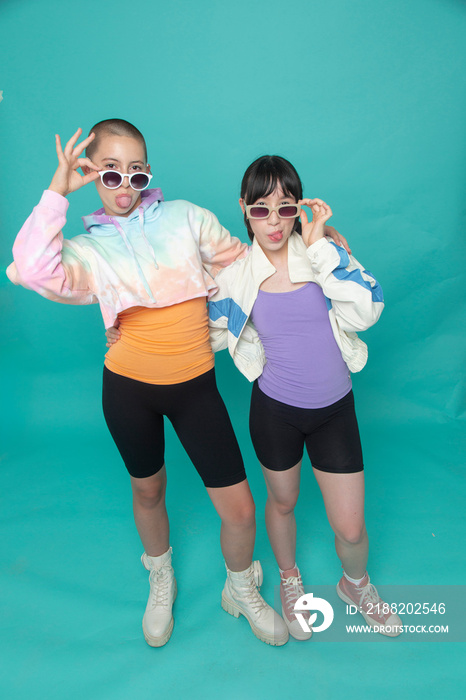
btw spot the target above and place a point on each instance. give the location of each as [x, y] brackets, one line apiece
[304, 365]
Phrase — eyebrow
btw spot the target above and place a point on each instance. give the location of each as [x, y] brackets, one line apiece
[117, 161]
[285, 196]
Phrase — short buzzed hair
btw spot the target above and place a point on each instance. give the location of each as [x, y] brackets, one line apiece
[116, 127]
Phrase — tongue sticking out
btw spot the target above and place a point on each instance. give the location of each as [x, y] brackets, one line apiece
[123, 201]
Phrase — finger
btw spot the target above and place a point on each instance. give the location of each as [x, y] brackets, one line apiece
[345, 243]
[58, 147]
[342, 238]
[303, 217]
[307, 202]
[310, 202]
[71, 143]
[84, 144]
[90, 177]
[337, 238]
[88, 162]
[112, 332]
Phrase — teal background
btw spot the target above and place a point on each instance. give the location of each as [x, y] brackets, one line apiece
[367, 100]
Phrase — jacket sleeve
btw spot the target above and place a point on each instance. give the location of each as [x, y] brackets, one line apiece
[219, 312]
[353, 292]
[227, 320]
[217, 247]
[45, 262]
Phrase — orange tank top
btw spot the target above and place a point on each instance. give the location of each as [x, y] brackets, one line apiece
[168, 345]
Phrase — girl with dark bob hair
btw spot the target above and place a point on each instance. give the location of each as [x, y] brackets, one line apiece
[289, 313]
[262, 178]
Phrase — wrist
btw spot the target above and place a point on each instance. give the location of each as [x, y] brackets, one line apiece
[316, 235]
[314, 241]
[59, 184]
[59, 190]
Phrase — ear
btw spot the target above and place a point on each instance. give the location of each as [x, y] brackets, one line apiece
[147, 168]
[242, 205]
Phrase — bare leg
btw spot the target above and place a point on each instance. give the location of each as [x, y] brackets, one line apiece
[282, 496]
[344, 502]
[236, 509]
[150, 513]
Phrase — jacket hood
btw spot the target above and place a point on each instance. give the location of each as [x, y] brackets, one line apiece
[99, 217]
[127, 227]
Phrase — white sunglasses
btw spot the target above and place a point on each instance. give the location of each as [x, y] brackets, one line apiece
[261, 211]
[113, 179]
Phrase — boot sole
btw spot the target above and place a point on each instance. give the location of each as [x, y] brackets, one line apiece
[163, 639]
[236, 611]
[394, 632]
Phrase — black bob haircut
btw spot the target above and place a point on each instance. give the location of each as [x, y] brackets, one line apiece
[264, 176]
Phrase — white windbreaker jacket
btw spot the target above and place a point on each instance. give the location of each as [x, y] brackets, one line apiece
[354, 301]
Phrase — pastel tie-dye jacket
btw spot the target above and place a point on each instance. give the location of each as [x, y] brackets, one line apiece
[162, 254]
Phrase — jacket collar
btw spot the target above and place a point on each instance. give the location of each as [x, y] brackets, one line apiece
[299, 265]
[149, 198]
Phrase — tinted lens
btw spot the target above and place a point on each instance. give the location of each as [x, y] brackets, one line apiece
[112, 179]
[259, 212]
[139, 181]
[288, 212]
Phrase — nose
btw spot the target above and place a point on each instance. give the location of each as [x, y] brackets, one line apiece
[125, 182]
[274, 218]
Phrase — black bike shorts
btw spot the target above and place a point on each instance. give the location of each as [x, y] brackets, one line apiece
[331, 434]
[134, 412]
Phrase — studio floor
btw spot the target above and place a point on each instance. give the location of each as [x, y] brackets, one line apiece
[74, 591]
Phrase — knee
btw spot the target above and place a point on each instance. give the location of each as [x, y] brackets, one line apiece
[247, 514]
[352, 533]
[243, 516]
[148, 494]
[283, 505]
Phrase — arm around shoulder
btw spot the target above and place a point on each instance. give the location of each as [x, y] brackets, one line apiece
[217, 247]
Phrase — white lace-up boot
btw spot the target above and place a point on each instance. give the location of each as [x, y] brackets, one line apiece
[157, 623]
[241, 597]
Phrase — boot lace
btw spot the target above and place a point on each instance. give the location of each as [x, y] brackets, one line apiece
[249, 590]
[160, 587]
[372, 603]
[368, 595]
[292, 589]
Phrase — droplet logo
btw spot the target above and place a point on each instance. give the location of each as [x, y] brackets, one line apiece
[308, 603]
